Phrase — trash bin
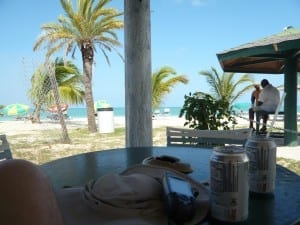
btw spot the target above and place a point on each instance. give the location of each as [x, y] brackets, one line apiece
[105, 120]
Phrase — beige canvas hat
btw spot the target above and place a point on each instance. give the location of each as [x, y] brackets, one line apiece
[131, 197]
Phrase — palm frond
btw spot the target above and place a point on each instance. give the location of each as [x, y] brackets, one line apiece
[162, 83]
[226, 87]
[87, 23]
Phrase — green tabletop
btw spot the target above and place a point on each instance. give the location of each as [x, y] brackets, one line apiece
[283, 208]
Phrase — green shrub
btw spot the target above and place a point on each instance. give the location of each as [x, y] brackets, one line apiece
[203, 112]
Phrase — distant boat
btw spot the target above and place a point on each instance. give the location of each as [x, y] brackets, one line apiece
[166, 111]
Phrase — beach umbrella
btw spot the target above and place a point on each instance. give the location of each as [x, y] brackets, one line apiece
[15, 109]
[54, 108]
[275, 54]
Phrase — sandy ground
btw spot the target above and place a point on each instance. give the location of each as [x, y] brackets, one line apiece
[21, 127]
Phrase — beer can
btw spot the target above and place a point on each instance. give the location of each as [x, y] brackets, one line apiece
[229, 188]
[261, 152]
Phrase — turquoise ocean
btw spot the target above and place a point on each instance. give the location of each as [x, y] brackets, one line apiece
[78, 113]
[243, 107]
[118, 111]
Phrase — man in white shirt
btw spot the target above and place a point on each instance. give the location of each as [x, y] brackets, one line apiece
[268, 101]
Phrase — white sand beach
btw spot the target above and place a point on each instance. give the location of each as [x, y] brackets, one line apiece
[19, 127]
[26, 127]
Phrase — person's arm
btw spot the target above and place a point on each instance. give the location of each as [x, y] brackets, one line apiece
[26, 195]
[252, 100]
[261, 98]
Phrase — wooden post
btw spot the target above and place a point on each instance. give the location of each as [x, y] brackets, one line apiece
[138, 87]
[290, 104]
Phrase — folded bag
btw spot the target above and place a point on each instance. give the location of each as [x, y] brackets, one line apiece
[135, 196]
[168, 161]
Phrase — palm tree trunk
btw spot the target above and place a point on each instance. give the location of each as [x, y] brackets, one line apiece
[51, 70]
[87, 59]
[36, 113]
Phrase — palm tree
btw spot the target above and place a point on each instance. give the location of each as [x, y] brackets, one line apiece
[225, 87]
[69, 82]
[89, 27]
[162, 83]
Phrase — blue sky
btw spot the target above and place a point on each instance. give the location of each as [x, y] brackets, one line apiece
[185, 34]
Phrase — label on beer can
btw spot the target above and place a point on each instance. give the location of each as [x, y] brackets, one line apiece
[229, 185]
[262, 165]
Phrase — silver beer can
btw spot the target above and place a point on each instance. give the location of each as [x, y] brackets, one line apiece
[229, 188]
[261, 152]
